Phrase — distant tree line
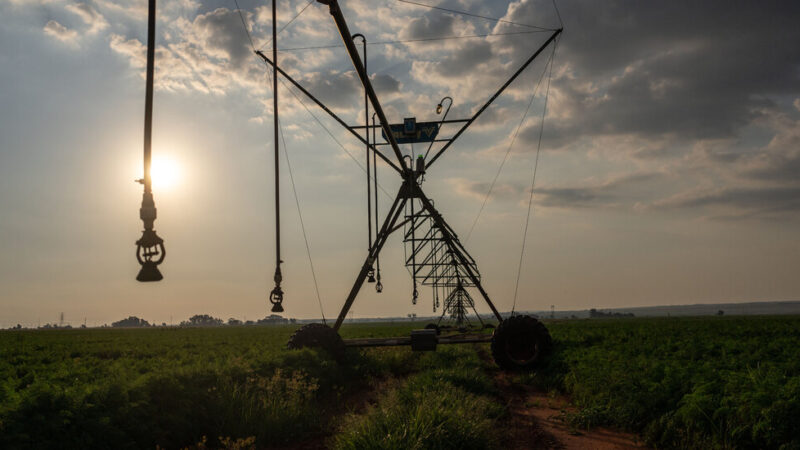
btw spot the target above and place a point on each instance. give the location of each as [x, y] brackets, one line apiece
[131, 321]
[598, 314]
[203, 320]
[197, 320]
[54, 326]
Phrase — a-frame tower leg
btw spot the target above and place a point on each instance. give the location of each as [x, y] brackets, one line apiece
[410, 190]
[380, 239]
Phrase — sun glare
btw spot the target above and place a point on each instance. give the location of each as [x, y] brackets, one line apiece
[165, 172]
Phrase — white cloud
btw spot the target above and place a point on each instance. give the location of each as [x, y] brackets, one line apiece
[136, 10]
[601, 110]
[90, 17]
[220, 34]
[131, 48]
[60, 32]
[476, 190]
[209, 54]
[31, 2]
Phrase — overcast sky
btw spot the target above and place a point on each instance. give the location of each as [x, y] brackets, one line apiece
[669, 170]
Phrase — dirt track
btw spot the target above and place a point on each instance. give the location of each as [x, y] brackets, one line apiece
[535, 419]
[536, 422]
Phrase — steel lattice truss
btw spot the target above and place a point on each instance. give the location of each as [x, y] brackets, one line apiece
[433, 252]
[430, 257]
[456, 304]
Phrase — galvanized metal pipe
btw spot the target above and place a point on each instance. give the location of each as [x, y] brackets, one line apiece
[344, 31]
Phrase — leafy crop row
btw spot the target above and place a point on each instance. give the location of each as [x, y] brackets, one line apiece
[731, 382]
[683, 383]
[170, 387]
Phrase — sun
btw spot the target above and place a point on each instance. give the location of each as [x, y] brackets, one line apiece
[165, 172]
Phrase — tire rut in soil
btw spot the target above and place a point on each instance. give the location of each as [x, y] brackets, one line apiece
[519, 430]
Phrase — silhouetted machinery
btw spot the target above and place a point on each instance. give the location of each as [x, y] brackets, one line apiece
[150, 250]
[434, 255]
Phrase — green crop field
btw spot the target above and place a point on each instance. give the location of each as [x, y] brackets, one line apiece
[730, 382]
[690, 382]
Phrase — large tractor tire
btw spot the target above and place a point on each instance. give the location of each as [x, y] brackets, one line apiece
[318, 336]
[433, 326]
[520, 343]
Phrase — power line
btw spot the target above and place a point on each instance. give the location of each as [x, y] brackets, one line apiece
[244, 23]
[561, 22]
[464, 13]
[291, 176]
[288, 23]
[302, 222]
[468, 36]
[505, 157]
[303, 227]
[330, 133]
[533, 178]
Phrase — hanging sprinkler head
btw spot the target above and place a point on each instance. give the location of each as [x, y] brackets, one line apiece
[276, 298]
[149, 248]
[276, 295]
[371, 275]
[439, 108]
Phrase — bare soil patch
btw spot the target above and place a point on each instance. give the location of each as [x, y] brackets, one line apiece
[537, 422]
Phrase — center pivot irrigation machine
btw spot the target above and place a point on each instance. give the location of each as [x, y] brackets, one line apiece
[434, 255]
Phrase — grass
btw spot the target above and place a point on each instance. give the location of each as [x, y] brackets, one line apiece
[449, 404]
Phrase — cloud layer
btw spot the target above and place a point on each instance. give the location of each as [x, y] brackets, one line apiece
[710, 98]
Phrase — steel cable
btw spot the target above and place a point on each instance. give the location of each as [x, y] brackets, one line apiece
[403, 41]
[289, 23]
[291, 175]
[464, 13]
[505, 157]
[533, 178]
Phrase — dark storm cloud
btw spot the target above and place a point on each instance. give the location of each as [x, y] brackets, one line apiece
[343, 89]
[385, 84]
[335, 89]
[735, 203]
[724, 203]
[222, 35]
[572, 197]
[619, 191]
[781, 168]
[779, 161]
[616, 192]
[429, 26]
[692, 69]
[465, 59]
